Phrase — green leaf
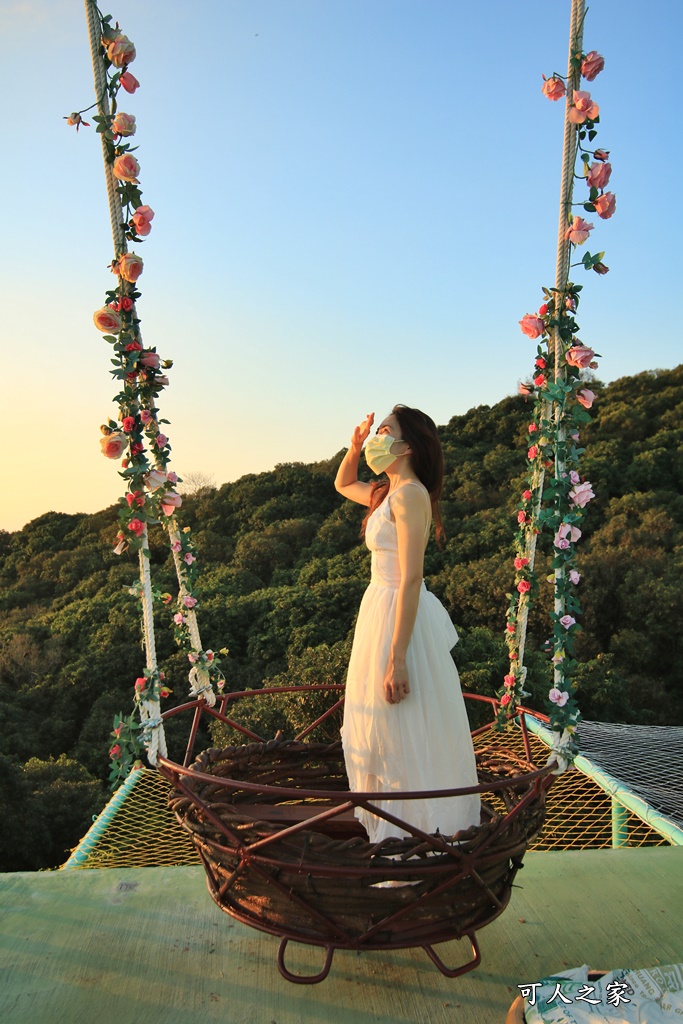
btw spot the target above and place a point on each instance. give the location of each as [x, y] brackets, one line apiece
[589, 207]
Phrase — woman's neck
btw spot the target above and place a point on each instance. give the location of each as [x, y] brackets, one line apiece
[400, 473]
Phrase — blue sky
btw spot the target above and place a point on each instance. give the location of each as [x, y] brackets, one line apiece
[356, 201]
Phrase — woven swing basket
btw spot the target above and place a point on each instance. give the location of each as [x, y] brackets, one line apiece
[273, 824]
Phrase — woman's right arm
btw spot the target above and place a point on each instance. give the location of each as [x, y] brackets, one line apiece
[346, 480]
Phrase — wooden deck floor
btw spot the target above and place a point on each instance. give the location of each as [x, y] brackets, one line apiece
[148, 946]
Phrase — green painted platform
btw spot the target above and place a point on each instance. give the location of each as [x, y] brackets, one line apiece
[148, 946]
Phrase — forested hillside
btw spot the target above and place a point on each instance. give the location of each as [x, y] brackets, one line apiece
[283, 572]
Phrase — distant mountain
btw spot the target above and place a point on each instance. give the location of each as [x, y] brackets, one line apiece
[283, 572]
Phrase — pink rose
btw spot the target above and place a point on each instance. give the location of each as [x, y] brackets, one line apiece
[510, 627]
[539, 380]
[553, 88]
[542, 310]
[559, 697]
[155, 478]
[605, 205]
[170, 501]
[525, 389]
[524, 586]
[521, 562]
[189, 602]
[574, 576]
[561, 543]
[586, 397]
[584, 109]
[581, 494]
[126, 168]
[107, 320]
[123, 124]
[567, 621]
[591, 65]
[172, 477]
[509, 680]
[574, 477]
[533, 452]
[129, 82]
[521, 517]
[146, 415]
[161, 381]
[578, 231]
[570, 303]
[120, 50]
[135, 498]
[566, 530]
[193, 658]
[130, 267]
[526, 495]
[540, 362]
[137, 527]
[142, 220]
[151, 359]
[126, 304]
[598, 175]
[505, 699]
[128, 424]
[161, 440]
[579, 356]
[113, 444]
[176, 546]
[189, 557]
[114, 751]
[140, 683]
[531, 325]
[179, 619]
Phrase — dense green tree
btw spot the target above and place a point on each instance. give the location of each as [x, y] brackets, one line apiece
[282, 573]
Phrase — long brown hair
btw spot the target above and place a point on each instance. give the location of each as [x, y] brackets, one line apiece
[426, 458]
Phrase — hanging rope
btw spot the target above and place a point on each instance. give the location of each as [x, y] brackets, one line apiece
[152, 732]
[561, 279]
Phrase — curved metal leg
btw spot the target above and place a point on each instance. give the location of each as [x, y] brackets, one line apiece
[454, 972]
[298, 979]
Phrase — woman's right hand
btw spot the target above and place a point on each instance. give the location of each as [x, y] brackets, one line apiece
[361, 432]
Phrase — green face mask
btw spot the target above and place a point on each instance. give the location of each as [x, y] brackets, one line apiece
[378, 453]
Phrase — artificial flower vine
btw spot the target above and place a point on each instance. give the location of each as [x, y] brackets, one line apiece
[555, 495]
[139, 439]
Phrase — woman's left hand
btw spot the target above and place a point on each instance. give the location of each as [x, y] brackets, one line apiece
[396, 683]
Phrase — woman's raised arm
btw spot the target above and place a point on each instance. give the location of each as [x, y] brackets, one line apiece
[346, 481]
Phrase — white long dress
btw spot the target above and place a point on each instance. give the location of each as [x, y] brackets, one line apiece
[423, 742]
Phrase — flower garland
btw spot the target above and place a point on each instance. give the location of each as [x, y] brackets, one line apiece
[561, 409]
[138, 439]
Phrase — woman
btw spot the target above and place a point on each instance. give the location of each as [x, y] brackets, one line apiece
[405, 724]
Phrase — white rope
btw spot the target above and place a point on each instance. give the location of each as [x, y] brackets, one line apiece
[150, 711]
[561, 279]
[200, 680]
[94, 33]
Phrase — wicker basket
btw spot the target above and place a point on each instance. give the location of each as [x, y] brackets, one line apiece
[273, 824]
